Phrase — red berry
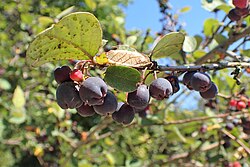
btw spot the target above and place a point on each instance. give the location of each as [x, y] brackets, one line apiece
[232, 103]
[241, 105]
[248, 103]
[236, 164]
[76, 75]
[240, 3]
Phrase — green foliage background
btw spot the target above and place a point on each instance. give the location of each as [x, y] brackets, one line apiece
[34, 131]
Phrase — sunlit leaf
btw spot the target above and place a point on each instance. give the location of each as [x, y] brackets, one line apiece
[198, 40]
[4, 84]
[122, 78]
[76, 36]
[18, 98]
[245, 52]
[189, 44]
[17, 115]
[91, 4]
[210, 25]
[198, 54]
[185, 9]
[168, 46]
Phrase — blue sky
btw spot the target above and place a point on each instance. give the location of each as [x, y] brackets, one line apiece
[143, 14]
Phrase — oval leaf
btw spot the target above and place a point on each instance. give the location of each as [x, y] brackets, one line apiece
[169, 45]
[210, 25]
[17, 115]
[189, 44]
[122, 78]
[76, 36]
[185, 9]
[18, 98]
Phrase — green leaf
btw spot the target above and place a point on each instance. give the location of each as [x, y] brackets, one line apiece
[122, 78]
[168, 46]
[131, 40]
[18, 98]
[17, 115]
[245, 52]
[198, 54]
[189, 44]
[210, 25]
[91, 4]
[211, 5]
[45, 21]
[220, 38]
[198, 40]
[226, 8]
[185, 9]
[76, 36]
[4, 84]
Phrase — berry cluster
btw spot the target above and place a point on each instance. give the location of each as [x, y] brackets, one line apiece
[241, 10]
[239, 103]
[201, 82]
[91, 95]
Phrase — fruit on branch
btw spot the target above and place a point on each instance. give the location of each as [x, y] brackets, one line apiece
[241, 105]
[241, 3]
[109, 105]
[62, 74]
[67, 96]
[125, 114]
[76, 75]
[93, 91]
[203, 128]
[233, 103]
[139, 98]
[200, 81]
[229, 126]
[187, 78]
[246, 125]
[174, 82]
[160, 89]
[210, 93]
[227, 144]
[85, 110]
[242, 11]
[233, 16]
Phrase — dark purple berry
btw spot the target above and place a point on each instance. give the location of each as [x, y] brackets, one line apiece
[210, 93]
[85, 110]
[187, 78]
[200, 81]
[174, 82]
[124, 115]
[93, 90]
[160, 89]
[139, 98]
[67, 96]
[108, 107]
[233, 16]
[229, 126]
[62, 74]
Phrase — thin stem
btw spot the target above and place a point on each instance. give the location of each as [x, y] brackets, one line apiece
[247, 149]
[214, 66]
